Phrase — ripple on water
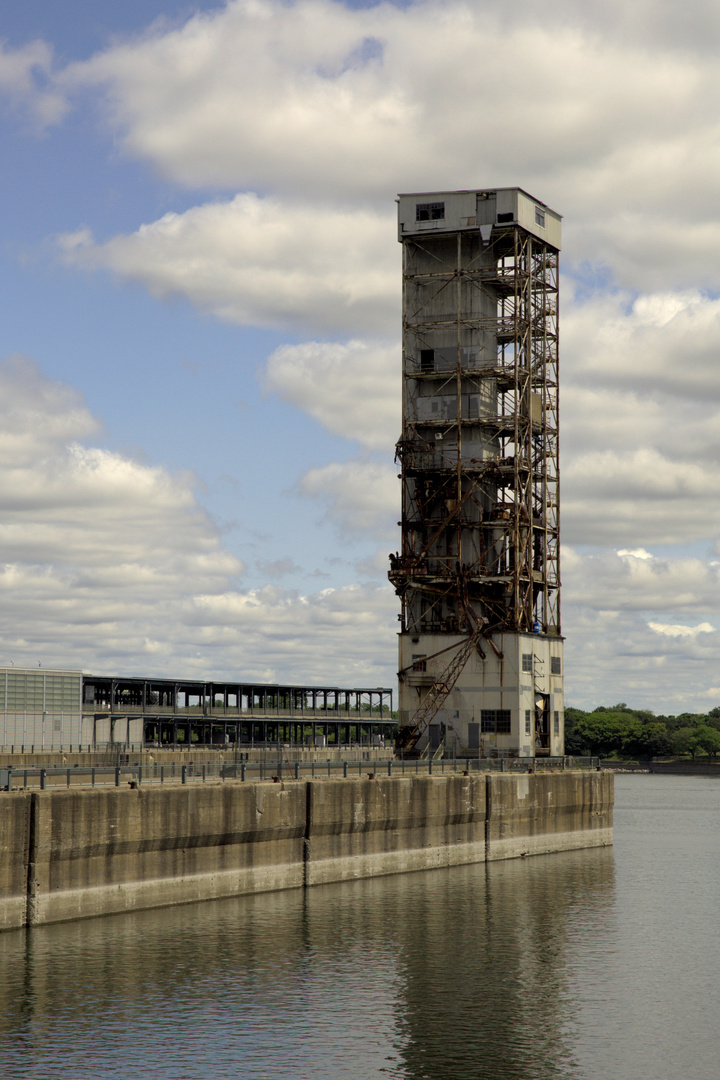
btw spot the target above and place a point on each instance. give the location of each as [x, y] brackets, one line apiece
[592, 965]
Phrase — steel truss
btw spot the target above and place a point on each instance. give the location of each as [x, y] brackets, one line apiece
[479, 443]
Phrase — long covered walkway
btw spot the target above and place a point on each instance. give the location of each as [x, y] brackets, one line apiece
[185, 713]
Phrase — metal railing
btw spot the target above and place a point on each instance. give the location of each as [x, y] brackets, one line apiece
[116, 747]
[21, 778]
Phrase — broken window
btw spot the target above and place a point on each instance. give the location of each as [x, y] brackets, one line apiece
[502, 721]
[430, 211]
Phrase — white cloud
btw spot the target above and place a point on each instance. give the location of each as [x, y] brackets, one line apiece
[261, 262]
[341, 636]
[639, 496]
[615, 656]
[260, 95]
[352, 389]
[656, 343]
[680, 631]
[361, 496]
[95, 516]
[633, 634]
[329, 111]
[640, 422]
[25, 75]
[38, 414]
[314, 99]
[111, 565]
[611, 581]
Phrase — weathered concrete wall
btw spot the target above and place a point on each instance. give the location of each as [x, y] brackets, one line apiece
[365, 828]
[69, 854]
[530, 814]
[14, 854]
[107, 851]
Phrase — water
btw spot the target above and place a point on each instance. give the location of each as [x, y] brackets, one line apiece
[592, 965]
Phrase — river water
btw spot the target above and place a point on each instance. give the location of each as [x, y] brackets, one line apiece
[596, 965]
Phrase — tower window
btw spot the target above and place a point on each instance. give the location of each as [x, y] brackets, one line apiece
[555, 665]
[528, 723]
[527, 661]
[539, 216]
[430, 211]
[502, 218]
[556, 723]
[427, 359]
[495, 720]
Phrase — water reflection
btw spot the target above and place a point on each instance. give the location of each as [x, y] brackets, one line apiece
[451, 973]
[485, 981]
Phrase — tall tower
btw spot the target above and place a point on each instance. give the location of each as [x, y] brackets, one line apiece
[478, 576]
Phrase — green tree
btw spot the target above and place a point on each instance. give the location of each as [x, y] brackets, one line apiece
[684, 741]
[699, 739]
[601, 733]
[690, 719]
[647, 740]
[713, 718]
[708, 740]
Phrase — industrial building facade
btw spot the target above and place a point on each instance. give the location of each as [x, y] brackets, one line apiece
[478, 576]
[45, 710]
[40, 707]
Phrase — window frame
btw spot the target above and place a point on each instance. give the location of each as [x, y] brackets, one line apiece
[430, 211]
[496, 721]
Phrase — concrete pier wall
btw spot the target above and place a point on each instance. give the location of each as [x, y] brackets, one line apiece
[543, 812]
[368, 828]
[70, 854]
[14, 860]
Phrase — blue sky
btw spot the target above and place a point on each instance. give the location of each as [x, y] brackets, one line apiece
[171, 385]
[200, 285]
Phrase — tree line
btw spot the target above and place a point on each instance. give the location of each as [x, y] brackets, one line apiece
[619, 731]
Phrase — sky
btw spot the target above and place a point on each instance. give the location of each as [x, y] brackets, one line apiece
[200, 364]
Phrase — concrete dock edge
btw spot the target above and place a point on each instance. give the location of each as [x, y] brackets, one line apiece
[71, 854]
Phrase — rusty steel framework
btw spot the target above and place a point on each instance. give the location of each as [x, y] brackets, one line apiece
[479, 443]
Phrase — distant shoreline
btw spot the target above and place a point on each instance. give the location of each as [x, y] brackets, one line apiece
[670, 768]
